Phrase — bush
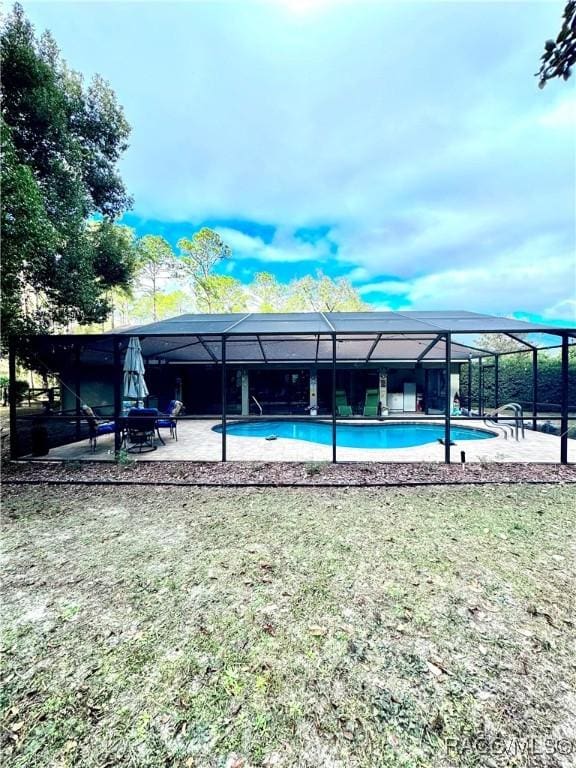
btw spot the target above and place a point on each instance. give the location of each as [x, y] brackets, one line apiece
[124, 459]
[515, 381]
[20, 389]
[550, 429]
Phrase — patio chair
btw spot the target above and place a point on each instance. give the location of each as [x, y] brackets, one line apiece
[140, 430]
[342, 407]
[96, 426]
[171, 423]
[371, 401]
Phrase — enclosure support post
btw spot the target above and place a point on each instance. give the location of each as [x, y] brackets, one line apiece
[224, 393]
[469, 383]
[448, 406]
[12, 397]
[496, 381]
[77, 388]
[117, 394]
[481, 386]
[534, 389]
[334, 398]
[564, 411]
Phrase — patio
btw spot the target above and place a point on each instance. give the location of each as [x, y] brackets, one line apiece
[198, 442]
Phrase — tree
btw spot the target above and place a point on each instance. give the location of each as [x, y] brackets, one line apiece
[560, 55]
[172, 304]
[122, 303]
[61, 143]
[500, 342]
[167, 305]
[221, 293]
[114, 255]
[155, 263]
[28, 240]
[323, 294]
[266, 294]
[114, 252]
[200, 256]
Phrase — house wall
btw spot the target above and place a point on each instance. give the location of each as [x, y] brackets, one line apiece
[201, 385]
[96, 389]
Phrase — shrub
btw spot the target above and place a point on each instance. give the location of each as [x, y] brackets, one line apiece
[313, 468]
[20, 389]
[124, 459]
[515, 380]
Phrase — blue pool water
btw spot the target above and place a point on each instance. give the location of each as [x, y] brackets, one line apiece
[397, 435]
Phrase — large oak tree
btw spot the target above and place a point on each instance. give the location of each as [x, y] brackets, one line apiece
[559, 55]
[61, 141]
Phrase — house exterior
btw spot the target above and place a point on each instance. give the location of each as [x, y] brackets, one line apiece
[279, 364]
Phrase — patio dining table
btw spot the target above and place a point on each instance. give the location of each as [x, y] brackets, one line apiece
[132, 417]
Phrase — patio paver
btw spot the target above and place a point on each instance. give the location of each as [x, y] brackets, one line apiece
[198, 442]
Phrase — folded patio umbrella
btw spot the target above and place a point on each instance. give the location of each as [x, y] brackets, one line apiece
[134, 383]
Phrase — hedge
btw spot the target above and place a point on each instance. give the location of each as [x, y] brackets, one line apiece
[515, 381]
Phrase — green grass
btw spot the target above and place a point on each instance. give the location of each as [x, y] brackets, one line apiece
[341, 627]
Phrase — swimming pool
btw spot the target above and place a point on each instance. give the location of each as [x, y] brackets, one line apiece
[396, 435]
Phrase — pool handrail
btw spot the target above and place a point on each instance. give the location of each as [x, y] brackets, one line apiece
[518, 418]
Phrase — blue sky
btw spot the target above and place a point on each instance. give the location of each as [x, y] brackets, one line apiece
[402, 145]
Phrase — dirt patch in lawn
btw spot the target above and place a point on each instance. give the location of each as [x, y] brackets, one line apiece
[289, 627]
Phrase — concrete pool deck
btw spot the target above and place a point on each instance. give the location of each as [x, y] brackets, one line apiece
[198, 442]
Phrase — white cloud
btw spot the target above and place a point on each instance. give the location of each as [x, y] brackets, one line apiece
[284, 247]
[414, 131]
[413, 240]
[523, 280]
[390, 287]
[562, 310]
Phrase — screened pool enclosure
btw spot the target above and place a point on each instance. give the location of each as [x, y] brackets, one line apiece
[371, 368]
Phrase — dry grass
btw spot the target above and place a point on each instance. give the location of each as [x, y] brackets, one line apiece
[351, 628]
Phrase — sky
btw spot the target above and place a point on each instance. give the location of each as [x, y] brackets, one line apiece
[403, 145]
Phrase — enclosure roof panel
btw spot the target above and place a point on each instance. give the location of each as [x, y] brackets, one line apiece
[342, 322]
[307, 337]
[188, 325]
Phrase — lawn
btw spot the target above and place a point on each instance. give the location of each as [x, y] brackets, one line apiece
[289, 627]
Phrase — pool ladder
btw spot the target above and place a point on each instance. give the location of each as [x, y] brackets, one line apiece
[258, 404]
[516, 428]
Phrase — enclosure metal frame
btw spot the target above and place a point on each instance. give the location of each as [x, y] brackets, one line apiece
[224, 337]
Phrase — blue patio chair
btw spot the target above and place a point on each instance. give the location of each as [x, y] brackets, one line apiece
[96, 426]
[170, 422]
[140, 430]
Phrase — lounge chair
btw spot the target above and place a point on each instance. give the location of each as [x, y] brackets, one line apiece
[174, 408]
[371, 402]
[96, 426]
[342, 407]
